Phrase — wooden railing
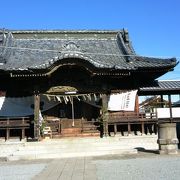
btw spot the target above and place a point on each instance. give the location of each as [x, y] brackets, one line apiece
[10, 123]
[90, 126]
[132, 118]
[14, 122]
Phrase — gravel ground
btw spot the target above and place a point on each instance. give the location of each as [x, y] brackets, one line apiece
[143, 166]
[139, 168]
[20, 170]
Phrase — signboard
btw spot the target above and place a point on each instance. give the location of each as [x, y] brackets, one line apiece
[122, 101]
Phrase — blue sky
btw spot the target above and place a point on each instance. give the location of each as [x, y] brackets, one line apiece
[154, 25]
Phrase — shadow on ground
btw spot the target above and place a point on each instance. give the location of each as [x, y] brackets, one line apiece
[140, 149]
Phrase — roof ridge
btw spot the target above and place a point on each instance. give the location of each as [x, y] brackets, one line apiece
[66, 31]
[166, 80]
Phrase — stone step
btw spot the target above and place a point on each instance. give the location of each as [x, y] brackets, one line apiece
[53, 149]
[53, 155]
[84, 134]
[78, 147]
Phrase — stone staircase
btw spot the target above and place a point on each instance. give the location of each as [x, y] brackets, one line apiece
[82, 147]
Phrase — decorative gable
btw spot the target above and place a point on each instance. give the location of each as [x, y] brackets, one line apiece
[72, 47]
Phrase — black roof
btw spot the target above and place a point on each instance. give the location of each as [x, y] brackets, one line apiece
[32, 50]
[161, 87]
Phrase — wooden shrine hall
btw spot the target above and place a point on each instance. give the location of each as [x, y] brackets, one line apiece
[80, 70]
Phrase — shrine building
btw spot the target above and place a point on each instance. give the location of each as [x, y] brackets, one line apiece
[77, 83]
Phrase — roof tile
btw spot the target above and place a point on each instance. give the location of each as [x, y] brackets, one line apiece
[103, 49]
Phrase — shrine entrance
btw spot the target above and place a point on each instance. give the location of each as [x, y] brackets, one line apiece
[75, 115]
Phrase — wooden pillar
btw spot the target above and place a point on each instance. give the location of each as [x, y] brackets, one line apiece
[72, 109]
[155, 128]
[115, 129]
[105, 114]
[59, 126]
[22, 130]
[7, 134]
[23, 133]
[142, 128]
[7, 130]
[170, 108]
[162, 105]
[129, 128]
[137, 104]
[36, 116]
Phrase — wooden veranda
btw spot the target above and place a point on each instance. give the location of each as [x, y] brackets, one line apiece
[14, 127]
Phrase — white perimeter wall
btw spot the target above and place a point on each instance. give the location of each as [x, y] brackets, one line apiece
[165, 112]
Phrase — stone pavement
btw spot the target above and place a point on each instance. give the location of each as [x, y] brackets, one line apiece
[69, 169]
[141, 166]
[115, 158]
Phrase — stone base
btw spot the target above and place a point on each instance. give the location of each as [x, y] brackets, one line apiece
[167, 138]
[168, 149]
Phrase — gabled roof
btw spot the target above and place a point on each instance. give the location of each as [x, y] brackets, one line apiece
[34, 50]
[153, 101]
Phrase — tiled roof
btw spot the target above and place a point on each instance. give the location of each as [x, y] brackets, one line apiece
[24, 50]
[166, 85]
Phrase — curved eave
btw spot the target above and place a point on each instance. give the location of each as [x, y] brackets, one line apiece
[162, 68]
[66, 59]
[144, 64]
[157, 62]
[76, 59]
